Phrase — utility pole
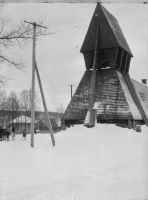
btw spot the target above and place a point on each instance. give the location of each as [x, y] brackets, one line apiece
[71, 90]
[34, 67]
[33, 81]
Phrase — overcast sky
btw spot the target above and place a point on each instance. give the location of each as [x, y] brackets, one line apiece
[58, 55]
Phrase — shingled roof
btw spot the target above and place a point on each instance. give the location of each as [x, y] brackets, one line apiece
[111, 33]
[113, 100]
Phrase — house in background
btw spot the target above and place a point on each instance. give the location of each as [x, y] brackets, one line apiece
[22, 123]
[8, 117]
[142, 89]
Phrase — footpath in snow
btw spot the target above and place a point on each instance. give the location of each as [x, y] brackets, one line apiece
[102, 163]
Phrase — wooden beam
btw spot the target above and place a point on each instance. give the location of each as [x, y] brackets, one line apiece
[116, 56]
[121, 60]
[91, 114]
[45, 107]
[126, 63]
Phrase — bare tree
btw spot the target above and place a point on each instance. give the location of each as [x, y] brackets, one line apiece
[2, 3]
[13, 105]
[61, 109]
[25, 99]
[3, 99]
[18, 35]
[3, 105]
[13, 102]
[9, 105]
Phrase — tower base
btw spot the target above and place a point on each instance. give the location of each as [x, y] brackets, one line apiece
[114, 102]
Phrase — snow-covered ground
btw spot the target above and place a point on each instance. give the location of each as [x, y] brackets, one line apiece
[102, 163]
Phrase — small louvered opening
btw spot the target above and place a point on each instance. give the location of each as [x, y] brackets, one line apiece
[104, 62]
[111, 55]
[122, 67]
[89, 56]
[128, 64]
[123, 60]
[118, 58]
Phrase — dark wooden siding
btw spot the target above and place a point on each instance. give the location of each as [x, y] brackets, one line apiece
[112, 103]
[108, 39]
[88, 57]
[111, 33]
[111, 56]
[77, 107]
[117, 31]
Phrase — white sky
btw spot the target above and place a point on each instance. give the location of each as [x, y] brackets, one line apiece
[58, 56]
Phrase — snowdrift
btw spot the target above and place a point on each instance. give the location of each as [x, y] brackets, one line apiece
[103, 163]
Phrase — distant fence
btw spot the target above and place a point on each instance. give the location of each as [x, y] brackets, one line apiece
[40, 132]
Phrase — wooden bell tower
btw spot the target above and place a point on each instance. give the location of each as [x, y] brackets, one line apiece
[106, 93]
[114, 50]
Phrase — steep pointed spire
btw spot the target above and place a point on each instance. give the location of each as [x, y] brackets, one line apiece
[111, 36]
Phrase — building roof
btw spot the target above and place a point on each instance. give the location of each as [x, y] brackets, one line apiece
[144, 86]
[22, 119]
[111, 33]
[113, 99]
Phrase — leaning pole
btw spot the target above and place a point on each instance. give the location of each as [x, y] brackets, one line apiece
[44, 104]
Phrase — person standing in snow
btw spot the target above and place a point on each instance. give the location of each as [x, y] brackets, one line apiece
[35, 130]
[24, 134]
[13, 132]
[7, 133]
[4, 134]
[1, 132]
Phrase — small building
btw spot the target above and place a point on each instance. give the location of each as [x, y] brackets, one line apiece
[21, 123]
[142, 89]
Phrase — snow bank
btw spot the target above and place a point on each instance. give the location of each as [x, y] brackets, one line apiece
[101, 163]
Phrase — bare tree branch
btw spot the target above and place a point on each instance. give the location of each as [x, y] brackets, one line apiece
[3, 80]
[19, 35]
[10, 61]
[22, 32]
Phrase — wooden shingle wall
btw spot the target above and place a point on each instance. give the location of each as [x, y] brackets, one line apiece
[110, 100]
[77, 107]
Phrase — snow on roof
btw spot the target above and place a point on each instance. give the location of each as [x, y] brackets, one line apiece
[22, 119]
[141, 84]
